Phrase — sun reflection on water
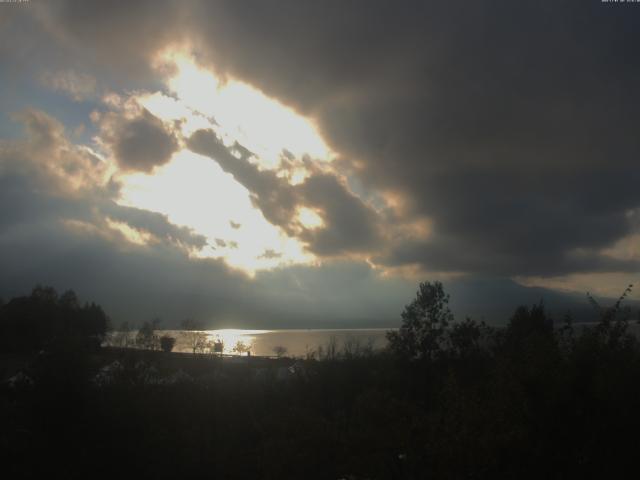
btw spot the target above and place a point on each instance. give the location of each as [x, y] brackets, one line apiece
[234, 339]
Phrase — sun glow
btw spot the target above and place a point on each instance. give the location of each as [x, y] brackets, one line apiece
[309, 218]
[194, 191]
[131, 234]
[233, 338]
[243, 113]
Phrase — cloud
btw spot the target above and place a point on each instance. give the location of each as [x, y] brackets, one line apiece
[58, 229]
[117, 41]
[449, 253]
[506, 137]
[508, 130]
[155, 224]
[270, 254]
[79, 86]
[46, 175]
[139, 142]
[349, 225]
[272, 194]
[49, 161]
[503, 135]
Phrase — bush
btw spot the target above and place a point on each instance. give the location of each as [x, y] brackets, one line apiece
[167, 343]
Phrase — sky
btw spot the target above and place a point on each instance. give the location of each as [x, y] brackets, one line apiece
[265, 164]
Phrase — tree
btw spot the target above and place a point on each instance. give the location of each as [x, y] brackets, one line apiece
[32, 323]
[122, 338]
[218, 346]
[69, 300]
[615, 312]
[424, 323]
[279, 350]
[355, 347]
[328, 351]
[466, 338]
[529, 322]
[44, 294]
[94, 323]
[613, 321]
[146, 337]
[242, 347]
[167, 343]
[193, 335]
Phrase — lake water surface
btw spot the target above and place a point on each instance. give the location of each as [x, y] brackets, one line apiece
[298, 343]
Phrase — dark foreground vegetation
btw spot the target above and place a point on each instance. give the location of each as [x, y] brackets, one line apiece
[446, 400]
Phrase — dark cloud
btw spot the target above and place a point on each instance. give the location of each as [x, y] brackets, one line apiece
[53, 230]
[156, 224]
[22, 203]
[510, 224]
[45, 133]
[115, 41]
[53, 233]
[47, 161]
[503, 125]
[45, 176]
[136, 283]
[270, 254]
[349, 225]
[272, 194]
[140, 143]
[440, 254]
[132, 282]
[510, 129]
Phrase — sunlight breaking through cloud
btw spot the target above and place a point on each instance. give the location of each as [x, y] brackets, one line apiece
[195, 192]
[241, 112]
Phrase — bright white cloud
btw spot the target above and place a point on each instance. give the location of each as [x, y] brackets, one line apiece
[243, 113]
[194, 191]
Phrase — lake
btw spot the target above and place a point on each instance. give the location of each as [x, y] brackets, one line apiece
[301, 342]
[297, 342]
